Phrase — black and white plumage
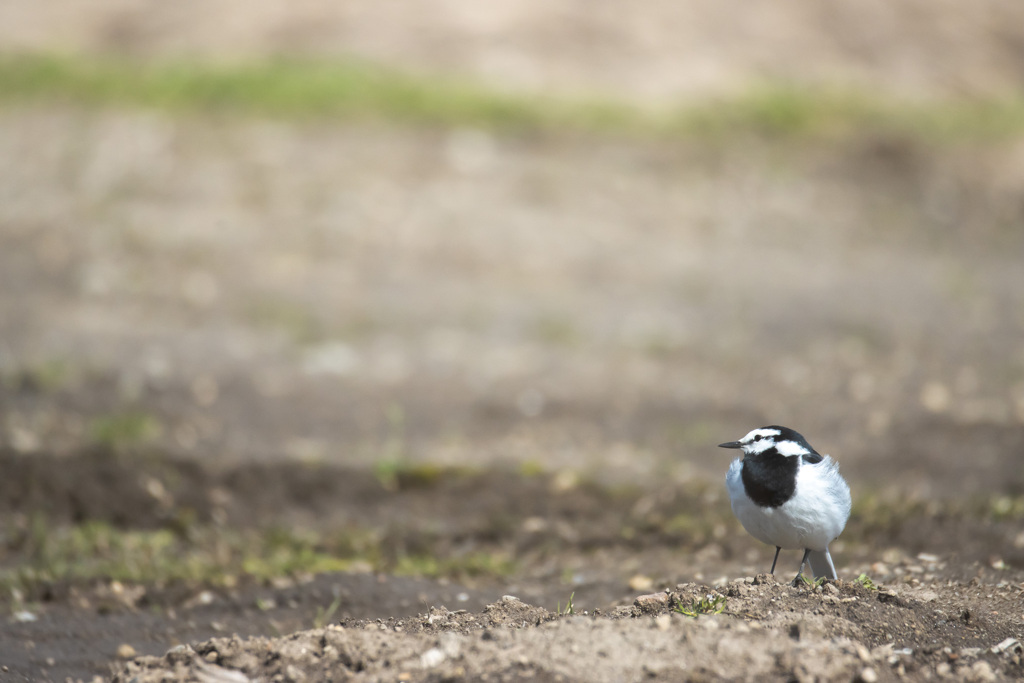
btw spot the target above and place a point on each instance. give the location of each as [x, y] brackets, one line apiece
[788, 495]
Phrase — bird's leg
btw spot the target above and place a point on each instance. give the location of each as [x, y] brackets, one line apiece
[796, 581]
[777, 549]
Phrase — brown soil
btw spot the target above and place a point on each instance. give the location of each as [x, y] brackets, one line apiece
[770, 631]
[940, 603]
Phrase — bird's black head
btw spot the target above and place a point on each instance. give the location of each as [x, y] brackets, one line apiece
[782, 440]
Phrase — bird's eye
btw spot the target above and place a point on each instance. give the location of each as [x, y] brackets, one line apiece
[758, 437]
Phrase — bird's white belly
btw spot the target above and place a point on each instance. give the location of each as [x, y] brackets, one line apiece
[812, 518]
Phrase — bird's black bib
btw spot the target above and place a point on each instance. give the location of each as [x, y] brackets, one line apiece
[769, 478]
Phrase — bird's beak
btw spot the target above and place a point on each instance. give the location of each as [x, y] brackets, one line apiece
[730, 444]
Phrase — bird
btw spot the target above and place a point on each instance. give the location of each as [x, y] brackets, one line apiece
[788, 495]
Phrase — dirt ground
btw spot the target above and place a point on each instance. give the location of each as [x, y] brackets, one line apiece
[506, 358]
[770, 632]
[938, 607]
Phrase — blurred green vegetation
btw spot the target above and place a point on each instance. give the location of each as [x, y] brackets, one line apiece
[124, 429]
[352, 89]
[292, 319]
[38, 552]
[287, 88]
[48, 376]
[44, 553]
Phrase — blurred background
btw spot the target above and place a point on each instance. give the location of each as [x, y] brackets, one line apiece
[561, 233]
[590, 240]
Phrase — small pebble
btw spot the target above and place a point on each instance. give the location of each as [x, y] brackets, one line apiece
[125, 651]
[641, 583]
[981, 671]
[651, 600]
[432, 658]
[1005, 645]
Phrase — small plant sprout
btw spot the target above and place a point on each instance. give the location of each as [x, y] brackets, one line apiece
[813, 583]
[866, 581]
[709, 604]
[569, 608]
[323, 616]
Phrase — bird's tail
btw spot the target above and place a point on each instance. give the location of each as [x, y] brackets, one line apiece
[821, 564]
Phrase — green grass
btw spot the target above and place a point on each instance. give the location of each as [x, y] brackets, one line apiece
[48, 377]
[707, 605]
[324, 616]
[36, 553]
[288, 88]
[570, 608]
[96, 550]
[472, 564]
[42, 554]
[351, 89]
[813, 582]
[874, 513]
[124, 429]
[289, 318]
[556, 330]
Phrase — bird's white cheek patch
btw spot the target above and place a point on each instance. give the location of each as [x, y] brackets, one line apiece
[790, 448]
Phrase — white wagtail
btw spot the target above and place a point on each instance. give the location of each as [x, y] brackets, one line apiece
[788, 495]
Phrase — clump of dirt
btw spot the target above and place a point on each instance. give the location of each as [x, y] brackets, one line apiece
[765, 630]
